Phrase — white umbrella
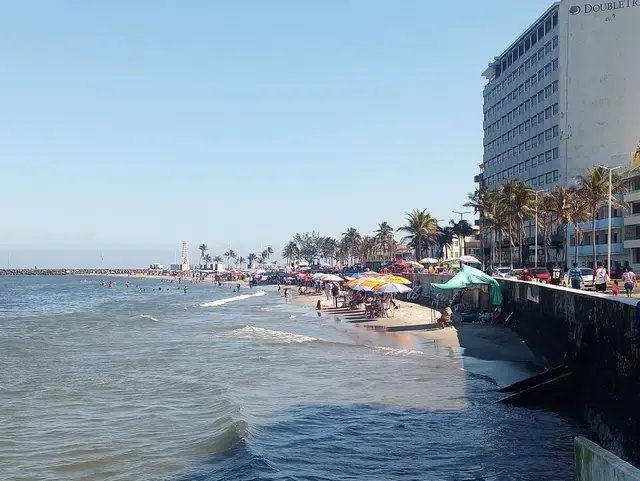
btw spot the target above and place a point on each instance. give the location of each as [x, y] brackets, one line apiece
[428, 260]
[392, 288]
[359, 287]
[331, 278]
[469, 260]
[318, 275]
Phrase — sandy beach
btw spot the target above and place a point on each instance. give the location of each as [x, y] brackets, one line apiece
[482, 341]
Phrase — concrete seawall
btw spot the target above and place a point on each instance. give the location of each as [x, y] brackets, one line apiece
[594, 463]
[560, 325]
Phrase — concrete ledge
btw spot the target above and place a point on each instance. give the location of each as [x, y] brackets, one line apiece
[594, 463]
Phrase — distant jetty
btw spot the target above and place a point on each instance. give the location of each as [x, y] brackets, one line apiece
[76, 272]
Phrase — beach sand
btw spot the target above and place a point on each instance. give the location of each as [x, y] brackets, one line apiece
[482, 341]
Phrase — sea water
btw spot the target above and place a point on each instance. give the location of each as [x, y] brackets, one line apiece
[140, 383]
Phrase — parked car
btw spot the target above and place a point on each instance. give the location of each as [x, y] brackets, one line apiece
[541, 274]
[514, 274]
[587, 278]
[501, 272]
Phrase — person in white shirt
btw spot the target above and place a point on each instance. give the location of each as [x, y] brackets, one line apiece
[629, 278]
[600, 278]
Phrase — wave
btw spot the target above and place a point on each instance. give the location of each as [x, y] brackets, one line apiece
[260, 333]
[221, 302]
[147, 316]
[390, 351]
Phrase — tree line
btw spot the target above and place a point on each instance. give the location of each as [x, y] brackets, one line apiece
[504, 210]
[421, 233]
[263, 259]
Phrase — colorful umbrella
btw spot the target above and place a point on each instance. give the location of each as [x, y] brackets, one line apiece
[391, 288]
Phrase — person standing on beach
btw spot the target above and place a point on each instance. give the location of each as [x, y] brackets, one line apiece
[327, 290]
[286, 295]
[334, 292]
[630, 281]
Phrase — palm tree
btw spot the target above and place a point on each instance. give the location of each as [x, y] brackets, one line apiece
[217, 259]
[384, 237]
[594, 190]
[207, 260]
[250, 258]
[560, 200]
[203, 250]
[351, 238]
[328, 248]
[516, 198]
[420, 227]
[486, 202]
[230, 254]
[269, 251]
[545, 211]
[367, 249]
[444, 240]
[291, 252]
[241, 260]
[462, 229]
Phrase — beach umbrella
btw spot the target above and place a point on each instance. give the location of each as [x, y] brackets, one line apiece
[398, 280]
[415, 264]
[369, 274]
[428, 260]
[331, 278]
[391, 288]
[469, 260]
[318, 275]
[364, 284]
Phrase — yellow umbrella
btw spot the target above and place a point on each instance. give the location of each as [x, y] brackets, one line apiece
[367, 283]
[398, 280]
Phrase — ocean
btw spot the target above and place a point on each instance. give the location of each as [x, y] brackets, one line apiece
[138, 383]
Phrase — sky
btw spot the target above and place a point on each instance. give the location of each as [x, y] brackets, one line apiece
[127, 127]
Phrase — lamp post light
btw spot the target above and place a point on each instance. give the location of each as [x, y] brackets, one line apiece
[610, 169]
[462, 214]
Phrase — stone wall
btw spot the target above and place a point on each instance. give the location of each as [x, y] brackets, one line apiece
[594, 463]
[559, 324]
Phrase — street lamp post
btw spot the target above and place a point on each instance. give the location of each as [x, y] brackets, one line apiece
[461, 218]
[535, 227]
[610, 169]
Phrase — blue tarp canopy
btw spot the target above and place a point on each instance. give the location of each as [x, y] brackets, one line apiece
[469, 276]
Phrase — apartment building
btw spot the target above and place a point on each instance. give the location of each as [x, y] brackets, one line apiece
[563, 97]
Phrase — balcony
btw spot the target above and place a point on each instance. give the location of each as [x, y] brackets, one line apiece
[478, 178]
[616, 222]
[633, 196]
[633, 219]
[601, 250]
[632, 244]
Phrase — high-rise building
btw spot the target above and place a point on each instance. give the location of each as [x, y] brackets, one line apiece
[563, 96]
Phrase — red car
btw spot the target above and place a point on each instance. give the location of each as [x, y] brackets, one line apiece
[541, 274]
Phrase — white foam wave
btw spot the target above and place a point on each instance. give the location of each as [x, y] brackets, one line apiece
[221, 302]
[260, 333]
[390, 351]
[147, 316]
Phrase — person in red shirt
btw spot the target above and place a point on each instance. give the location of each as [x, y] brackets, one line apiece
[525, 274]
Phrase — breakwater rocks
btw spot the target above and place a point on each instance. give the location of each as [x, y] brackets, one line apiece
[590, 332]
[69, 272]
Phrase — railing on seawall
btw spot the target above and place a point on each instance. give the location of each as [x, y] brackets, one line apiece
[594, 463]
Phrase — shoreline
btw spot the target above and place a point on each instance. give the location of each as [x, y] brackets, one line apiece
[486, 342]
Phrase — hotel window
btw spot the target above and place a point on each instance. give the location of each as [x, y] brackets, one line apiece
[547, 113]
[547, 25]
[521, 129]
[521, 168]
[555, 64]
[534, 141]
[540, 74]
[509, 172]
[540, 32]
[555, 175]
[527, 125]
[534, 79]
[534, 121]
[547, 48]
[521, 67]
[521, 148]
[555, 41]
[541, 117]
[540, 159]
[534, 162]
[521, 109]
[547, 134]
[548, 91]
[527, 64]
[555, 153]
[527, 163]
[555, 109]
[555, 86]
[547, 156]
[521, 89]
[514, 94]
[534, 100]
[534, 59]
[540, 54]
[527, 84]
[541, 180]
[527, 145]
[534, 182]
[555, 130]
[534, 38]
[554, 19]
[541, 96]
[547, 69]
[548, 177]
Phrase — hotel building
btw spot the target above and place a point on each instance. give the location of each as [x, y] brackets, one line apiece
[561, 98]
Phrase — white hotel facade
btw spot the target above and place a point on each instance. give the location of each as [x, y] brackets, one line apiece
[563, 97]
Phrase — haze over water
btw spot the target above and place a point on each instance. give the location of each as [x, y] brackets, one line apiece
[123, 384]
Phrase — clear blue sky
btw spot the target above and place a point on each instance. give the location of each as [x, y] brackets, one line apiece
[132, 125]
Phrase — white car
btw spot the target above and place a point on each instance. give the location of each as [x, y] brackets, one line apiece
[587, 278]
[501, 272]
